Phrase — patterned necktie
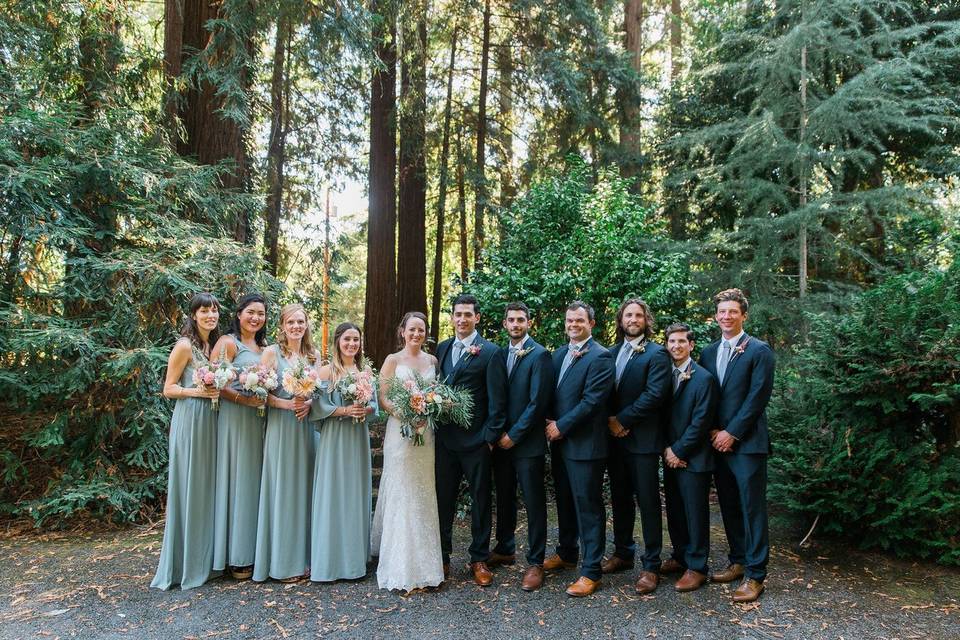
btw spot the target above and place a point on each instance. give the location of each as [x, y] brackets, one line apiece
[676, 379]
[512, 359]
[622, 358]
[724, 360]
[566, 362]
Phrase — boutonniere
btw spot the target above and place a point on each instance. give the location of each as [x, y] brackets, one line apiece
[474, 349]
[683, 377]
[519, 353]
[740, 348]
[640, 347]
[579, 353]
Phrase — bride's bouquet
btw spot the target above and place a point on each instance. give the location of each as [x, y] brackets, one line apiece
[258, 380]
[420, 404]
[358, 388]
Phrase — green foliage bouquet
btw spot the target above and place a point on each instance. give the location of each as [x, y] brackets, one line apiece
[420, 404]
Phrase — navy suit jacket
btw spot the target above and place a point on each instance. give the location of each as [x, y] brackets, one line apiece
[580, 402]
[744, 393]
[641, 402]
[529, 389]
[691, 418]
[479, 375]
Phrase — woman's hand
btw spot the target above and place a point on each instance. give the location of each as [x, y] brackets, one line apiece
[204, 392]
[301, 407]
[356, 411]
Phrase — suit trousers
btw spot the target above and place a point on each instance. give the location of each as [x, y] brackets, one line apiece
[688, 516]
[451, 468]
[741, 481]
[581, 517]
[635, 477]
[528, 473]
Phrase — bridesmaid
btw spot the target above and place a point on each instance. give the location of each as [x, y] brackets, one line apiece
[186, 558]
[283, 523]
[239, 444]
[340, 532]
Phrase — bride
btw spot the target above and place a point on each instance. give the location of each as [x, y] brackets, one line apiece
[406, 527]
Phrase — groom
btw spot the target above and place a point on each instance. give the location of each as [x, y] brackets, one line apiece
[468, 361]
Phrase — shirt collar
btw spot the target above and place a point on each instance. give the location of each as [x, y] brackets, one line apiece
[635, 341]
[683, 365]
[468, 340]
[578, 345]
[734, 340]
[519, 344]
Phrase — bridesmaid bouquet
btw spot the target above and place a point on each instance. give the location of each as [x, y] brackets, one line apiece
[420, 404]
[358, 388]
[217, 378]
[258, 380]
[300, 380]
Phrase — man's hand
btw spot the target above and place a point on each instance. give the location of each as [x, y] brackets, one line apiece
[616, 429]
[672, 460]
[553, 434]
[505, 442]
[723, 441]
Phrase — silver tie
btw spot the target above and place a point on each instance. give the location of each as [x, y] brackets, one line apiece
[457, 351]
[724, 361]
[511, 359]
[567, 359]
[622, 358]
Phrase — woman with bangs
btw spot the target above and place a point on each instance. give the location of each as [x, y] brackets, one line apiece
[240, 428]
[186, 557]
[283, 523]
[340, 534]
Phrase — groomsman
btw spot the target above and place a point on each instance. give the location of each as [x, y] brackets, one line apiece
[469, 362]
[743, 366]
[522, 446]
[638, 410]
[688, 459]
[576, 429]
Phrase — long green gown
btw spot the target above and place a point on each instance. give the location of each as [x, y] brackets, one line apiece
[239, 463]
[186, 558]
[342, 503]
[283, 522]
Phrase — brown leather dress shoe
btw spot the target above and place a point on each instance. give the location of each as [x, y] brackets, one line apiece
[446, 570]
[731, 573]
[555, 562]
[647, 582]
[748, 591]
[500, 559]
[533, 578]
[613, 564]
[670, 566]
[584, 586]
[690, 581]
[481, 573]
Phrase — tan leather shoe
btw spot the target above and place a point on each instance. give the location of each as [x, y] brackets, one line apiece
[647, 582]
[584, 586]
[670, 566]
[533, 578]
[748, 591]
[613, 564]
[446, 571]
[731, 573]
[555, 562]
[690, 581]
[241, 573]
[481, 573]
[499, 559]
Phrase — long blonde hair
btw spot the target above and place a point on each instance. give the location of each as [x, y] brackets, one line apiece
[307, 350]
[336, 362]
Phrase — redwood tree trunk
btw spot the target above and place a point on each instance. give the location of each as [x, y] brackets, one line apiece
[379, 316]
[411, 214]
[505, 98]
[481, 181]
[629, 100]
[276, 148]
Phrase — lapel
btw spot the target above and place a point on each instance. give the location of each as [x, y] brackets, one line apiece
[634, 356]
[735, 358]
[516, 364]
[573, 362]
[465, 359]
[442, 353]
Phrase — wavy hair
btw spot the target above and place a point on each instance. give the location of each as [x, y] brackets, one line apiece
[307, 349]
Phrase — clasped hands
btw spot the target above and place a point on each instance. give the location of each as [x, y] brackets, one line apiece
[722, 441]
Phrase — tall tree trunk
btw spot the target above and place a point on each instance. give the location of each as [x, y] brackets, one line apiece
[207, 135]
[675, 196]
[411, 213]
[379, 318]
[802, 258]
[442, 195]
[462, 210]
[481, 181]
[629, 99]
[276, 149]
[676, 39]
[505, 98]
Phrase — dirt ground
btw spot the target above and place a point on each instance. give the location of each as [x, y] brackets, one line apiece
[96, 585]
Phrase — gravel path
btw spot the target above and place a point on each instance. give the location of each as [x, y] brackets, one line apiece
[97, 586]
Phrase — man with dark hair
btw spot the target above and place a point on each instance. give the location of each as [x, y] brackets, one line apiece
[521, 449]
[688, 459]
[469, 362]
[638, 411]
[743, 366]
[576, 429]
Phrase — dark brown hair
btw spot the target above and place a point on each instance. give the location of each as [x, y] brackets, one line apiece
[409, 315]
[677, 327]
[732, 295]
[516, 306]
[649, 323]
[580, 304]
[336, 361]
[190, 330]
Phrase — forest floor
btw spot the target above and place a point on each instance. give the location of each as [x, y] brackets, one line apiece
[96, 585]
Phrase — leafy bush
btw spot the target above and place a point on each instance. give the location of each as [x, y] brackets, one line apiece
[867, 419]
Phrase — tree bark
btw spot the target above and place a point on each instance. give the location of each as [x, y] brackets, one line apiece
[442, 195]
[411, 212]
[379, 315]
[676, 39]
[480, 200]
[630, 152]
[276, 155]
[505, 98]
[462, 210]
[203, 133]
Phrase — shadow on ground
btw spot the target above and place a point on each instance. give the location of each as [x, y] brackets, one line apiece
[97, 586]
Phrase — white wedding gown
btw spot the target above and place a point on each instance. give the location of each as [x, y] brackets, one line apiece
[406, 526]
